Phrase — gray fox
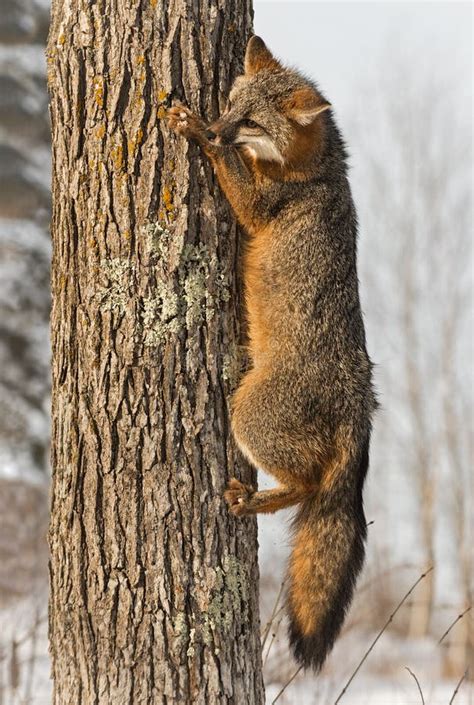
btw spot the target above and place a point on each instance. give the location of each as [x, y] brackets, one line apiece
[303, 411]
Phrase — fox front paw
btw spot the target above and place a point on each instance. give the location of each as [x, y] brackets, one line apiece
[238, 497]
[183, 122]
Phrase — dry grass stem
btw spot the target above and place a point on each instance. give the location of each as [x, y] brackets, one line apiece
[272, 640]
[417, 683]
[389, 620]
[458, 686]
[460, 616]
[268, 625]
[280, 693]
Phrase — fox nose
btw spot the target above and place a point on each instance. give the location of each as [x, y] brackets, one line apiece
[223, 130]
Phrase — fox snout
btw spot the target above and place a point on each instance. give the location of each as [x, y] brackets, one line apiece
[222, 132]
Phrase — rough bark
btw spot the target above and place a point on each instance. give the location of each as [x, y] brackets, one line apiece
[153, 584]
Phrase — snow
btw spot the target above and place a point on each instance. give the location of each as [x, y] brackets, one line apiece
[25, 625]
[368, 691]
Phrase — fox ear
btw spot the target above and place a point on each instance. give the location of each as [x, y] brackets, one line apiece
[304, 105]
[258, 57]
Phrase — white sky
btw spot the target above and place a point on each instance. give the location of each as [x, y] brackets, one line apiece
[339, 43]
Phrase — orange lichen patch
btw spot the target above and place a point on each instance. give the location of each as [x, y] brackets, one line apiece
[133, 142]
[168, 199]
[99, 90]
[161, 112]
[116, 154]
[61, 39]
[162, 96]
[100, 132]
[153, 3]
[141, 59]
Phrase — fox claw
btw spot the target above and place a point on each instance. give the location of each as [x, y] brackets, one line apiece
[184, 122]
[238, 497]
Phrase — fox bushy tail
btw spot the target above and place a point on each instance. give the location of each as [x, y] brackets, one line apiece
[328, 554]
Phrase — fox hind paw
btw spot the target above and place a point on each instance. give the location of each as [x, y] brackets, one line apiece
[238, 497]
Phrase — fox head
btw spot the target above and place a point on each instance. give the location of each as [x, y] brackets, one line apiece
[273, 113]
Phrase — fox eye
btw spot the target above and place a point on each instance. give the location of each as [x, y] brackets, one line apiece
[250, 123]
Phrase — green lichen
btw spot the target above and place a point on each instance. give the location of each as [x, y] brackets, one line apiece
[228, 597]
[194, 286]
[197, 267]
[236, 581]
[190, 649]
[113, 296]
[158, 237]
[180, 628]
[160, 315]
[188, 298]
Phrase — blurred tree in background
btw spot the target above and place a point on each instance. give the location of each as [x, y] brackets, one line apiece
[24, 238]
[24, 297]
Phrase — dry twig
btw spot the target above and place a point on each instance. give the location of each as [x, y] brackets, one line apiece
[286, 685]
[389, 620]
[272, 640]
[417, 682]
[460, 616]
[458, 686]
[268, 625]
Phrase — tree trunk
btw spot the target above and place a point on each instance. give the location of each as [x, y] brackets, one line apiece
[154, 594]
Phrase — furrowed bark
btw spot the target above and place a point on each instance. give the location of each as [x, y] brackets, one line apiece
[154, 595]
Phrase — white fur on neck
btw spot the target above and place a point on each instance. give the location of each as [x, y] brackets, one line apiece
[261, 147]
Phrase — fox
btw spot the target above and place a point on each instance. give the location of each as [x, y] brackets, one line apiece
[303, 410]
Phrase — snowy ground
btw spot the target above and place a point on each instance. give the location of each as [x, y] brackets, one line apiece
[24, 668]
[368, 691]
[24, 660]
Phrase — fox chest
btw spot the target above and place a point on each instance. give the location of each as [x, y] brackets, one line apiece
[264, 301]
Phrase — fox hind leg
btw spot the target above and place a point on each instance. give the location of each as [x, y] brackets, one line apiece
[243, 499]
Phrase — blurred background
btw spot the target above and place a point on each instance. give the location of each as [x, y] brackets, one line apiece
[399, 76]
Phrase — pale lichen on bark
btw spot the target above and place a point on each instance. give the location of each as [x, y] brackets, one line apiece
[114, 295]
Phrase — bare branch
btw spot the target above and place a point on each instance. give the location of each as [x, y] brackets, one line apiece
[268, 625]
[417, 682]
[286, 685]
[389, 620]
[273, 638]
[460, 616]
[458, 686]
